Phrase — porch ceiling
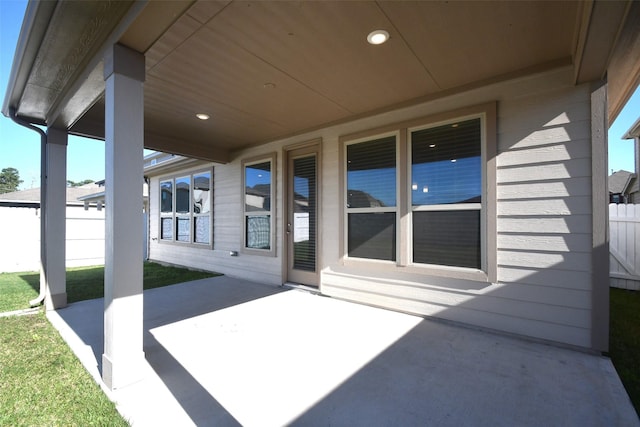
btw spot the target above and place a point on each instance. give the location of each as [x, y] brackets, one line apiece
[264, 70]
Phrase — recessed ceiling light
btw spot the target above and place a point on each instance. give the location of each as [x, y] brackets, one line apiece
[378, 37]
[202, 116]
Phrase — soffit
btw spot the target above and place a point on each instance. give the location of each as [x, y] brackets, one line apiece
[264, 70]
[269, 69]
[73, 35]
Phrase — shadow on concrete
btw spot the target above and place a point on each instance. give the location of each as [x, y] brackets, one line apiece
[164, 306]
[446, 375]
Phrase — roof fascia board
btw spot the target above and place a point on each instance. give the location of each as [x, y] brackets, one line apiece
[634, 131]
[173, 145]
[624, 68]
[34, 27]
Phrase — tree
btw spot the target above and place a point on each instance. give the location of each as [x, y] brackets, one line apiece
[9, 180]
[79, 183]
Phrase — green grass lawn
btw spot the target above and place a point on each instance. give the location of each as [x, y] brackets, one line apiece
[624, 345]
[83, 283]
[42, 383]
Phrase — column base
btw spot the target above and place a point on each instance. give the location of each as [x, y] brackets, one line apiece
[127, 371]
[55, 302]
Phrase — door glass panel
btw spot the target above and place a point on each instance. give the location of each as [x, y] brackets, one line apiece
[304, 213]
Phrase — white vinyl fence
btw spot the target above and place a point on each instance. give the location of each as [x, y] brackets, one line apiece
[20, 238]
[624, 246]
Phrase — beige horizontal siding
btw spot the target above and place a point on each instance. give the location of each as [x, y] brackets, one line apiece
[544, 220]
[227, 229]
[519, 240]
[564, 279]
[550, 153]
[544, 202]
[544, 226]
[487, 315]
[564, 169]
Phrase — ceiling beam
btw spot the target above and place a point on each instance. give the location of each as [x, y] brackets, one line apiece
[624, 68]
[185, 148]
[600, 27]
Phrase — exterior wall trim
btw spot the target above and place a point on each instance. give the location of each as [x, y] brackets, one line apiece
[600, 218]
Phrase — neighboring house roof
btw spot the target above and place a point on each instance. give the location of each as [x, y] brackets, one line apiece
[32, 195]
[619, 181]
[634, 131]
[154, 163]
[99, 196]
[362, 199]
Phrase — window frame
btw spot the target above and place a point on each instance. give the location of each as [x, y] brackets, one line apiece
[191, 215]
[404, 218]
[452, 206]
[271, 213]
[387, 209]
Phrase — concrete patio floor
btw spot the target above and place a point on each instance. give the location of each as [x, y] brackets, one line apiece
[225, 352]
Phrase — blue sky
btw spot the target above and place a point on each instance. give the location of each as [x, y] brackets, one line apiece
[20, 147]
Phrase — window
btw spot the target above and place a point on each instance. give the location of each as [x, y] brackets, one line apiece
[185, 209]
[371, 199]
[258, 211]
[446, 194]
[421, 195]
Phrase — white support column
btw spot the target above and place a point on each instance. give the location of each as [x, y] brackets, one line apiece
[123, 358]
[55, 219]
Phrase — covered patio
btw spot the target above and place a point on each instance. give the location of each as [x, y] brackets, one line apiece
[284, 81]
[224, 351]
